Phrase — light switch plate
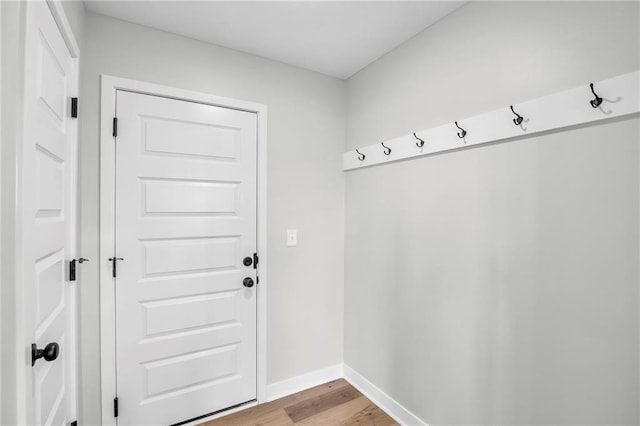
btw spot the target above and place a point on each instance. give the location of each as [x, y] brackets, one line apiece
[292, 237]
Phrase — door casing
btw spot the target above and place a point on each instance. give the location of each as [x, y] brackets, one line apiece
[109, 85]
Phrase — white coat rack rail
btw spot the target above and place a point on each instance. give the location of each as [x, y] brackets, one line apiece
[614, 97]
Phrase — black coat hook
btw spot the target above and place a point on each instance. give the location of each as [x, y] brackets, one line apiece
[387, 150]
[461, 134]
[518, 120]
[597, 101]
[418, 144]
[361, 157]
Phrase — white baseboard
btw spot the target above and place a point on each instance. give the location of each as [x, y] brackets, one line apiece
[304, 381]
[314, 378]
[381, 399]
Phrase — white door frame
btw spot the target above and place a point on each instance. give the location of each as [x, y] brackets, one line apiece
[23, 364]
[1, 364]
[57, 11]
[109, 85]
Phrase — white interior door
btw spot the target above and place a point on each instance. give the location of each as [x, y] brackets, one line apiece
[47, 202]
[185, 220]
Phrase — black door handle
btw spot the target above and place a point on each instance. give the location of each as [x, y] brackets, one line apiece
[49, 353]
[247, 282]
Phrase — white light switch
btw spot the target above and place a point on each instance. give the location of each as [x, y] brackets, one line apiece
[292, 237]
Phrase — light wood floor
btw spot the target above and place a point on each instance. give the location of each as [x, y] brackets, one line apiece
[334, 403]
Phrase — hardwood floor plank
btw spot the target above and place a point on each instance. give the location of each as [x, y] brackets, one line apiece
[371, 415]
[331, 404]
[315, 405]
[272, 417]
[337, 414]
[311, 393]
[262, 411]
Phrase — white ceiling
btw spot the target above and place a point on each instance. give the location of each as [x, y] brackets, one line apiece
[337, 38]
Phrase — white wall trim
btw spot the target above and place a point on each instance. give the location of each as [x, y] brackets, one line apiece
[321, 376]
[1, 244]
[381, 399]
[318, 377]
[304, 381]
[109, 85]
[65, 28]
[621, 97]
[14, 358]
[107, 302]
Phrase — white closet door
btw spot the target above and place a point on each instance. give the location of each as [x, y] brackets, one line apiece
[46, 200]
[185, 220]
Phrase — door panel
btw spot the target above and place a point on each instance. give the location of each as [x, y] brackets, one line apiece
[212, 198]
[185, 219]
[46, 206]
[49, 287]
[163, 135]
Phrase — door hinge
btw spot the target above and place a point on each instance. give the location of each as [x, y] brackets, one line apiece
[72, 270]
[114, 261]
[72, 267]
[74, 107]
[115, 407]
[255, 260]
[115, 126]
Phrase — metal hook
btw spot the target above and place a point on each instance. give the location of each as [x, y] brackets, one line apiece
[361, 157]
[518, 120]
[418, 144]
[597, 101]
[387, 150]
[461, 134]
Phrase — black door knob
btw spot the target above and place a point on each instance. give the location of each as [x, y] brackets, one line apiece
[247, 261]
[247, 282]
[49, 353]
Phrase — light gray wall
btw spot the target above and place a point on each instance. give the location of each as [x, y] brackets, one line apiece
[76, 15]
[306, 136]
[499, 284]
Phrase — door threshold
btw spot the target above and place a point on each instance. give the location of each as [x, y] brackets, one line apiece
[213, 413]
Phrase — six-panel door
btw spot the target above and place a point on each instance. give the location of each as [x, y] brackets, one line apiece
[46, 200]
[185, 219]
